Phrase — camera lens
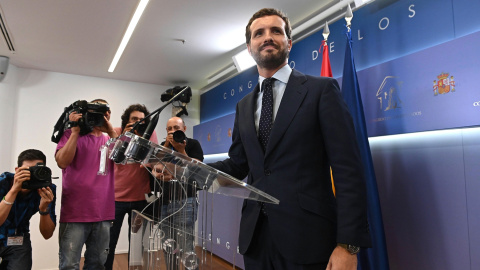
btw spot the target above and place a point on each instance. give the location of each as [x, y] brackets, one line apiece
[40, 176]
[179, 136]
[42, 173]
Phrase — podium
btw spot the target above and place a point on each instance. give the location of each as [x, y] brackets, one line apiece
[176, 230]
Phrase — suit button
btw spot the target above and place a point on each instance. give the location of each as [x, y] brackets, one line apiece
[267, 172]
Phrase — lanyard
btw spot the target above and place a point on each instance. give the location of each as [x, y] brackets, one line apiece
[18, 218]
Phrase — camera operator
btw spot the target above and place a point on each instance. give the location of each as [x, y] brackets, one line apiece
[88, 200]
[132, 181]
[18, 206]
[183, 206]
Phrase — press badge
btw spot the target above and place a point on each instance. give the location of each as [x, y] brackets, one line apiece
[102, 170]
[15, 241]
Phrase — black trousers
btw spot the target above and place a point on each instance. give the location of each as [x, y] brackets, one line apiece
[17, 257]
[263, 255]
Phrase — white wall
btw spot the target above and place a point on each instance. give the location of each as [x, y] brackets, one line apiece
[8, 101]
[32, 102]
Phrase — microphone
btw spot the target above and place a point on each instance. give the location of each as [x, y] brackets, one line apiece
[141, 149]
[151, 127]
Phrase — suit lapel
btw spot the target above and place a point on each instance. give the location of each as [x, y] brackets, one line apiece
[249, 116]
[292, 99]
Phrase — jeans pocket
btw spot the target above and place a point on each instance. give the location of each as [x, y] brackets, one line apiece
[63, 229]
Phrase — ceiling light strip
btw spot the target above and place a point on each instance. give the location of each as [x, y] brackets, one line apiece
[128, 34]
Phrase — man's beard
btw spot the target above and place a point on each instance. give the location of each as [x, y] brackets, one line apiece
[271, 60]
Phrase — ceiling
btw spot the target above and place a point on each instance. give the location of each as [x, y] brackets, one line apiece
[81, 36]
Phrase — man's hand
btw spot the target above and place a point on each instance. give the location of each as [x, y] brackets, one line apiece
[341, 259]
[74, 117]
[46, 195]
[128, 127]
[107, 128]
[22, 174]
[46, 225]
[180, 147]
[160, 172]
[168, 139]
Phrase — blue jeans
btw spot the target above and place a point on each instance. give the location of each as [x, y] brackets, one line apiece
[17, 257]
[73, 235]
[121, 209]
[179, 230]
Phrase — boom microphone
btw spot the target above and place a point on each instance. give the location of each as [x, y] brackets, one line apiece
[151, 127]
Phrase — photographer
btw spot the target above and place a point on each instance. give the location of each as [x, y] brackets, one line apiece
[18, 206]
[88, 201]
[132, 181]
[174, 124]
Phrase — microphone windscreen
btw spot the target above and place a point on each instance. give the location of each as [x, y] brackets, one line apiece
[151, 127]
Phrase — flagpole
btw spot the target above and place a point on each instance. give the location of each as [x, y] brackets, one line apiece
[376, 257]
[326, 70]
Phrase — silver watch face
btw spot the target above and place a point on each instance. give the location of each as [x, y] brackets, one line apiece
[353, 249]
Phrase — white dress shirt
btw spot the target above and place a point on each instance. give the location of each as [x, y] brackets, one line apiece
[279, 85]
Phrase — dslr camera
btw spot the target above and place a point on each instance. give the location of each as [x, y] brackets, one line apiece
[40, 176]
[141, 127]
[92, 115]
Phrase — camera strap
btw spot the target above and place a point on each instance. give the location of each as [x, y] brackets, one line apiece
[59, 127]
[71, 124]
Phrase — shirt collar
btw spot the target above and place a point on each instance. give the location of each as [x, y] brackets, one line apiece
[281, 75]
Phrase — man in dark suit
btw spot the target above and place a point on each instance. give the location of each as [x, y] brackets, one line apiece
[285, 138]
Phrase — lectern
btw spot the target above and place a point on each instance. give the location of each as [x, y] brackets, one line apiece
[175, 231]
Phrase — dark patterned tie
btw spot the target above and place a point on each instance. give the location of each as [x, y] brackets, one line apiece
[266, 116]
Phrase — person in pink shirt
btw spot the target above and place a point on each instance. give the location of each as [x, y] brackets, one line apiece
[132, 181]
[88, 200]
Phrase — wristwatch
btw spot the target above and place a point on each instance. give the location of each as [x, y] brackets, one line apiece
[350, 248]
[44, 213]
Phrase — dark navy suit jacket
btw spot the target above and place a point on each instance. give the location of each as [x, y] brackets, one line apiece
[312, 131]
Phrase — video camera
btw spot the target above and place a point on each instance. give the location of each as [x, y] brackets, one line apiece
[170, 93]
[92, 115]
[40, 176]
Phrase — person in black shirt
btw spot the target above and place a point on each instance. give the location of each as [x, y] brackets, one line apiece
[189, 147]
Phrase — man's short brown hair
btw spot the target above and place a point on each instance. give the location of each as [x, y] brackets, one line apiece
[268, 12]
[134, 107]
